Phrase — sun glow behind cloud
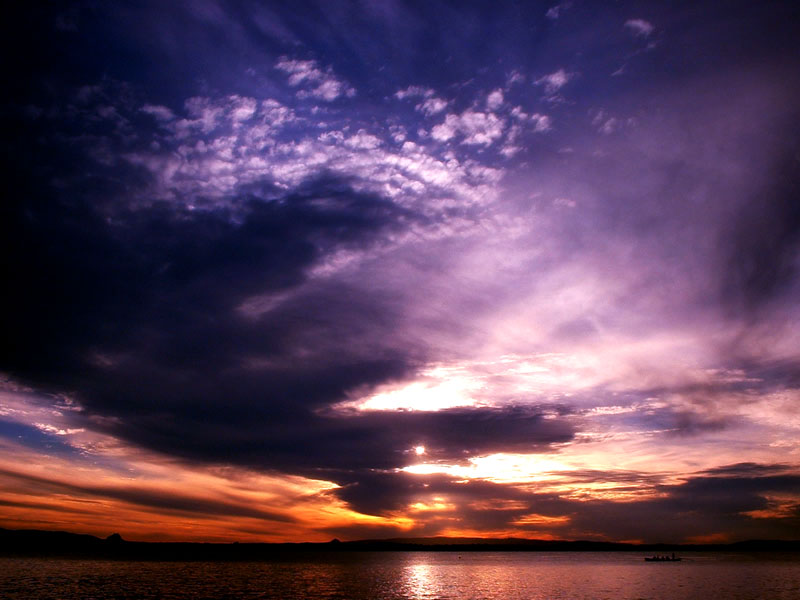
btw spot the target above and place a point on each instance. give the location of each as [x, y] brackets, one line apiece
[436, 389]
[507, 378]
[498, 468]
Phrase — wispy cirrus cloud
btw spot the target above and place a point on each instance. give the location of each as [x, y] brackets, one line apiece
[554, 12]
[639, 27]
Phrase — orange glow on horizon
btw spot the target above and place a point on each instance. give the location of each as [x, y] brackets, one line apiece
[97, 484]
[710, 538]
[157, 499]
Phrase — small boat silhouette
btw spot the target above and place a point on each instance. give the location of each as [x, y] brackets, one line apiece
[662, 558]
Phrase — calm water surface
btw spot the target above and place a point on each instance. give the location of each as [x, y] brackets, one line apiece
[389, 575]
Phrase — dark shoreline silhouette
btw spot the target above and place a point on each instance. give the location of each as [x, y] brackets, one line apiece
[60, 544]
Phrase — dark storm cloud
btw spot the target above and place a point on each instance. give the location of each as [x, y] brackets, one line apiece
[137, 312]
[150, 298]
[269, 430]
[459, 433]
[200, 334]
[167, 280]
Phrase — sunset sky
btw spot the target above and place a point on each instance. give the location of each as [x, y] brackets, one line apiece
[289, 271]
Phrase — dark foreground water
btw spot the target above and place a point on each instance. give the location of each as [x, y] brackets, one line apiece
[387, 575]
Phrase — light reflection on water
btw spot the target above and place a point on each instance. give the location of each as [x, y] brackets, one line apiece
[418, 581]
[418, 575]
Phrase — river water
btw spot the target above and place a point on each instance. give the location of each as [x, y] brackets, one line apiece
[405, 575]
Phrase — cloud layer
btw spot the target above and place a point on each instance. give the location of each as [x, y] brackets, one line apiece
[544, 286]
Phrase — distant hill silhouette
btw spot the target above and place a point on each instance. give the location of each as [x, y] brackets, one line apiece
[34, 543]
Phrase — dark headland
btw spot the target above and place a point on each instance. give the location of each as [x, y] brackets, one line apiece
[33, 543]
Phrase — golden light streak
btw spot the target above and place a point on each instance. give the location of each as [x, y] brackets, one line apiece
[541, 520]
[780, 507]
[150, 497]
[507, 533]
[495, 504]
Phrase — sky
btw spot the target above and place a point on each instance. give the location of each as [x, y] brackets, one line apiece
[294, 271]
